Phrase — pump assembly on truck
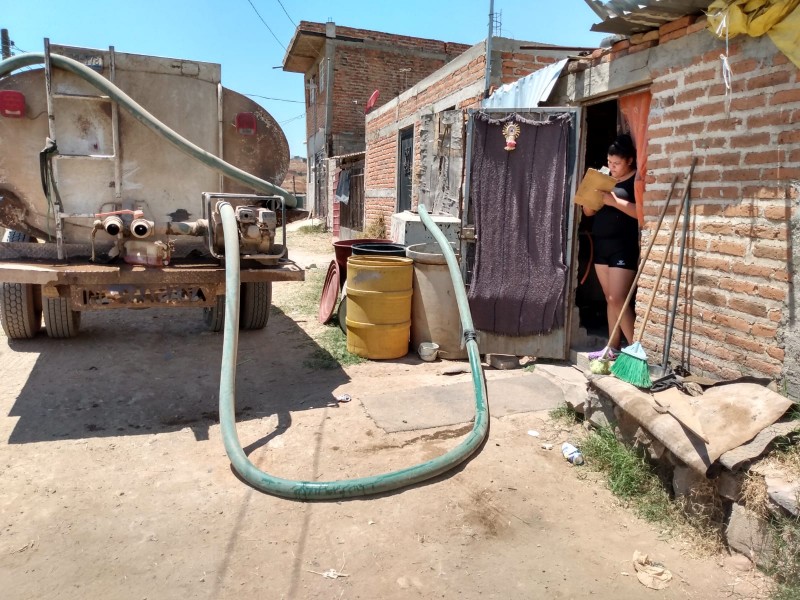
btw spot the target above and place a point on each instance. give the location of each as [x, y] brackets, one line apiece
[112, 170]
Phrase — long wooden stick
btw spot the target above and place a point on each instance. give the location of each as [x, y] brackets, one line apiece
[666, 254]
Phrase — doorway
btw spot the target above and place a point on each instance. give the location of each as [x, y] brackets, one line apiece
[604, 121]
[405, 169]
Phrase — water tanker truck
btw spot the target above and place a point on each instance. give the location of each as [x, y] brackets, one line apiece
[113, 170]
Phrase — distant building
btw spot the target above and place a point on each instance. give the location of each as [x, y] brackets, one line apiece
[343, 68]
[296, 179]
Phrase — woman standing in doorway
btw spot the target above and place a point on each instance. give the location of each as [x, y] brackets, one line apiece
[615, 233]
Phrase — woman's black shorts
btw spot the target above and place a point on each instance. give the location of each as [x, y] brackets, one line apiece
[616, 252]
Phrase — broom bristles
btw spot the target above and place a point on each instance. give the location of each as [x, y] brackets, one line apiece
[631, 368]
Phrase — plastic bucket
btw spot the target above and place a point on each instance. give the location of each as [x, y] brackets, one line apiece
[379, 292]
[434, 312]
[370, 249]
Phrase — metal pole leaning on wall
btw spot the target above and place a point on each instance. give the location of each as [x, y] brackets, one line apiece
[684, 234]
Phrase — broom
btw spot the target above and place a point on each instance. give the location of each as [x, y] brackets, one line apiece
[600, 365]
[631, 365]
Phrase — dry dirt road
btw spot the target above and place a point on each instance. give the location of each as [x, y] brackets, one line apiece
[115, 482]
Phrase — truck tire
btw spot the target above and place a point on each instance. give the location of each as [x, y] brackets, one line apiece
[59, 319]
[214, 316]
[20, 303]
[256, 298]
[254, 304]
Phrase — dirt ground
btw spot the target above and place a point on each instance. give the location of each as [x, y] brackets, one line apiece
[115, 482]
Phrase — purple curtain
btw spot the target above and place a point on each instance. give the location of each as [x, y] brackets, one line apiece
[519, 280]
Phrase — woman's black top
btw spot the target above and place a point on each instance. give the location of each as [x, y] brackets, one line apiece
[610, 222]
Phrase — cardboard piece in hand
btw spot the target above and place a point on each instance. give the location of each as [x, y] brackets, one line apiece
[590, 190]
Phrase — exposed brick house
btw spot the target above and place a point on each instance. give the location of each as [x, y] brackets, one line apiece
[460, 85]
[738, 295]
[342, 68]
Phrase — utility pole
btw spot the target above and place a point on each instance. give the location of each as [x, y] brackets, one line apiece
[6, 43]
[488, 47]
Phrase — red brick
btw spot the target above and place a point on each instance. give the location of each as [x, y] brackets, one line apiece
[760, 366]
[741, 210]
[765, 331]
[702, 23]
[641, 47]
[731, 322]
[748, 307]
[748, 103]
[681, 23]
[791, 136]
[769, 80]
[689, 95]
[738, 285]
[704, 75]
[746, 343]
[777, 213]
[750, 139]
[776, 353]
[674, 35]
[785, 97]
[726, 159]
[728, 247]
[771, 252]
[772, 293]
[767, 119]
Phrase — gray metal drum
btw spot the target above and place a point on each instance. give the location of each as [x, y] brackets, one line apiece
[434, 312]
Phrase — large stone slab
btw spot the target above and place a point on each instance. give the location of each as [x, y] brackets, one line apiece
[432, 406]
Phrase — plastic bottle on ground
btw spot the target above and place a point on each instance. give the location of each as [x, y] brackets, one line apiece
[571, 453]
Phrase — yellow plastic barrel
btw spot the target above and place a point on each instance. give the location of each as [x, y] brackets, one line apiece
[379, 292]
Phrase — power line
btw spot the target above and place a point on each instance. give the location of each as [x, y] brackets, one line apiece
[265, 24]
[292, 119]
[287, 14]
[276, 99]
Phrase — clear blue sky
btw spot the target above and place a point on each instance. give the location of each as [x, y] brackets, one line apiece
[229, 32]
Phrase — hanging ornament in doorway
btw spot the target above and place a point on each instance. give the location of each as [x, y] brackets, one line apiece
[511, 133]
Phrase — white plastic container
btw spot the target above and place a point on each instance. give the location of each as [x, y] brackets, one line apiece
[571, 453]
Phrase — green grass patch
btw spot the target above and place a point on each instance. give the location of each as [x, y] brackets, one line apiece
[311, 229]
[633, 479]
[785, 560]
[564, 413]
[629, 474]
[330, 344]
[331, 352]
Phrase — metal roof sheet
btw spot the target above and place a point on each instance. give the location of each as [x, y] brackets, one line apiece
[627, 17]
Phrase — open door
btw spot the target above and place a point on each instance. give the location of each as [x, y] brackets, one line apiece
[517, 228]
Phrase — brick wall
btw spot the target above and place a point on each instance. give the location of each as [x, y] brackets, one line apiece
[384, 126]
[359, 71]
[734, 294]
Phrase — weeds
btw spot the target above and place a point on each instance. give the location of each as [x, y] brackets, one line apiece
[375, 229]
[312, 229]
[330, 351]
[564, 413]
[785, 560]
[633, 479]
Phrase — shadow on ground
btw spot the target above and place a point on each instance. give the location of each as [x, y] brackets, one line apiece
[132, 372]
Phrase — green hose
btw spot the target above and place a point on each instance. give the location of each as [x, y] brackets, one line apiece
[327, 490]
[145, 118]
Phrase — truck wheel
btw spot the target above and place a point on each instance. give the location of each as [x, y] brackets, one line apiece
[214, 316]
[59, 318]
[20, 303]
[256, 298]
[254, 304]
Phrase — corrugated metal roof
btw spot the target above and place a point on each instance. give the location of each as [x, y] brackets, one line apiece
[627, 17]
